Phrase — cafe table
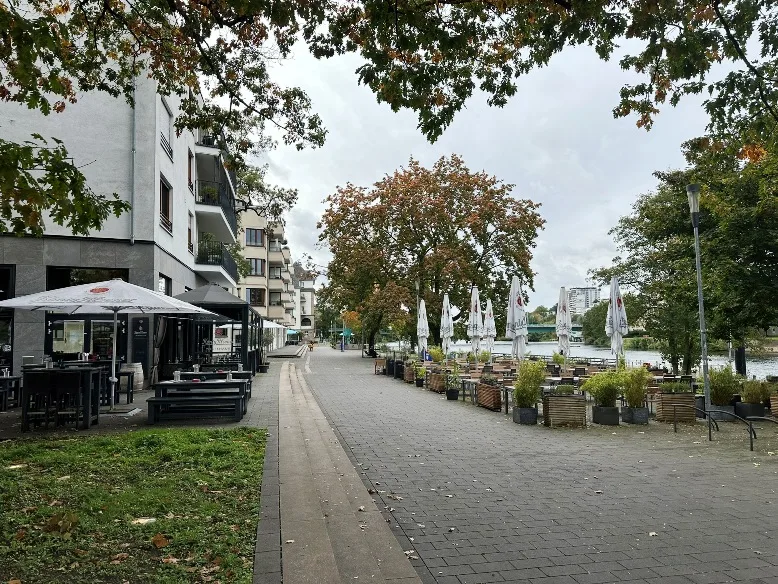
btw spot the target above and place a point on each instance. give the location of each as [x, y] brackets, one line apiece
[189, 388]
[214, 375]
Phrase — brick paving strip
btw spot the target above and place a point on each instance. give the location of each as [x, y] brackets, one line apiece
[331, 529]
[481, 499]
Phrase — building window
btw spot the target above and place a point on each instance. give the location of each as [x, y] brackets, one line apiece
[57, 277]
[305, 322]
[190, 234]
[166, 128]
[255, 296]
[165, 205]
[190, 171]
[257, 267]
[274, 273]
[275, 299]
[164, 285]
[255, 237]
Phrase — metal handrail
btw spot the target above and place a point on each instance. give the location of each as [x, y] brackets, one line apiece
[751, 431]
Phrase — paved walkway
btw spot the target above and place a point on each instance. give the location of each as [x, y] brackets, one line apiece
[481, 499]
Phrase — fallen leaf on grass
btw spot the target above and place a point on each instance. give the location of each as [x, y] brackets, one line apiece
[14, 582]
[170, 560]
[15, 467]
[64, 478]
[119, 558]
[20, 535]
[143, 520]
[160, 541]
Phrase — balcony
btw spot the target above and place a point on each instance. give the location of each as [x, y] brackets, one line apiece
[215, 208]
[214, 263]
[275, 310]
[275, 283]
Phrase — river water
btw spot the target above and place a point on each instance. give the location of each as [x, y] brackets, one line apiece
[759, 367]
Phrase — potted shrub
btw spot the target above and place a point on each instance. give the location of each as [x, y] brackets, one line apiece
[557, 359]
[453, 383]
[421, 371]
[562, 407]
[675, 399]
[605, 388]
[484, 356]
[635, 382]
[772, 389]
[724, 384]
[488, 392]
[752, 397]
[526, 392]
[436, 354]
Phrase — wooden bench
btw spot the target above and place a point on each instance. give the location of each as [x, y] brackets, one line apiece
[216, 404]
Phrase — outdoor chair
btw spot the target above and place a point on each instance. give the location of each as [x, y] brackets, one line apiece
[37, 403]
[124, 384]
[67, 397]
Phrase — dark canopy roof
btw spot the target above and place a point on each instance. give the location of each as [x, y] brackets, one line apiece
[210, 294]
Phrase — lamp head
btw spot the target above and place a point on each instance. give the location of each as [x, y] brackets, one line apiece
[693, 193]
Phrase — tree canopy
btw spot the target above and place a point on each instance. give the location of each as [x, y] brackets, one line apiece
[428, 56]
[445, 227]
[739, 253]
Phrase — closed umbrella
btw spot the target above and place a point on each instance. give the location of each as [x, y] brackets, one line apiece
[422, 328]
[616, 321]
[475, 325]
[490, 328]
[516, 321]
[112, 296]
[446, 326]
[564, 325]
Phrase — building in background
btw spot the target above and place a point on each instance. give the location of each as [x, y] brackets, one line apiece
[582, 299]
[183, 212]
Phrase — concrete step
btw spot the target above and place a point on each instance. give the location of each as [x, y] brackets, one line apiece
[331, 529]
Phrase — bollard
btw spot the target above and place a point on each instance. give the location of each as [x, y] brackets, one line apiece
[710, 430]
[675, 420]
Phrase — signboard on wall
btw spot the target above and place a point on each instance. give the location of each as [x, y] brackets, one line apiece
[140, 342]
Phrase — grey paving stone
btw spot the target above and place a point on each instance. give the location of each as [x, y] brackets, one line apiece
[530, 491]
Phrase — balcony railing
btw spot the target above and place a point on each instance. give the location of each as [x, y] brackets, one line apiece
[213, 253]
[217, 194]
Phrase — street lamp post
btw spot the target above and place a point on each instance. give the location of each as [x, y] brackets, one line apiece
[417, 312]
[693, 193]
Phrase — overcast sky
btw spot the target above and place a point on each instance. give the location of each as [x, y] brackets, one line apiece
[556, 141]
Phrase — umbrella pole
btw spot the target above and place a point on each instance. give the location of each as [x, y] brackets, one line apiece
[113, 364]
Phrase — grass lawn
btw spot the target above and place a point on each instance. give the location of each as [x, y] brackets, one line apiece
[152, 506]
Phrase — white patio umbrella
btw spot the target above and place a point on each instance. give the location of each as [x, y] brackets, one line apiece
[516, 321]
[422, 328]
[564, 325]
[490, 328]
[616, 321]
[112, 296]
[475, 325]
[446, 326]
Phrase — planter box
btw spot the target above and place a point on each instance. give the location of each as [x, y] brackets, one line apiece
[564, 410]
[745, 410]
[720, 416]
[489, 397]
[452, 394]
[634, 415]
[527, 416]
[437, 382]
[607, 416]
[685, 403]
[774, 405]
[409, 375]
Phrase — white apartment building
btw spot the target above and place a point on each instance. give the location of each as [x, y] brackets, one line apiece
[272, 288]
[183, 210]
[582, 299]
